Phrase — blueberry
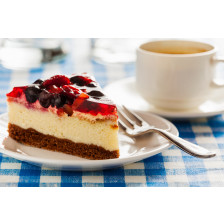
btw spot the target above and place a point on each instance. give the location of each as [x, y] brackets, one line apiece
[45, 98]
[69, 101]
[38, 81]
[59, 100]
[77, 80]
[52, 101]
[91, 85]
[80, 80]
[95, 93]
[32, 93]
[96, 98]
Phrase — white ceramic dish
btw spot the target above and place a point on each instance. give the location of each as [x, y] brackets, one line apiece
[132, 150]
[180, 77]
[126, 93]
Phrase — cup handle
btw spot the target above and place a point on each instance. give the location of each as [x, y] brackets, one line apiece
[217, 83]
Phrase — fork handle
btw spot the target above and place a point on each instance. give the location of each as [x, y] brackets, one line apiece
[186, 146]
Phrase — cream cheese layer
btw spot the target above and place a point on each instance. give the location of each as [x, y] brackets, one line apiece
[103, 133]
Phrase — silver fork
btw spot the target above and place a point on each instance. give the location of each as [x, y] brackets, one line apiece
[140, 127]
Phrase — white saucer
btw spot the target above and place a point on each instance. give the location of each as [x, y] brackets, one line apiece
[124, 92]
[131, 150]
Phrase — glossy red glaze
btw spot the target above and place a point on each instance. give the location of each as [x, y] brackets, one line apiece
[16, 92]
[70, 91]
[78, 98]
[94, 108]
[54, 89]
[57, 80]
[81, 80]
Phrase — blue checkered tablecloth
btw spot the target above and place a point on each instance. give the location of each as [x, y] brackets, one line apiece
[169, 168]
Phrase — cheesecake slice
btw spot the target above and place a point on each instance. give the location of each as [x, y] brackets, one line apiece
[69, 115]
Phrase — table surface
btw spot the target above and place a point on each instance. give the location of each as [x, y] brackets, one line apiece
[172, 167]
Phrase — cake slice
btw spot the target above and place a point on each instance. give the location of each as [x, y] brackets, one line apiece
[69, 115]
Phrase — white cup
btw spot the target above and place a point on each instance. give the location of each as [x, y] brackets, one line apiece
[176, 74]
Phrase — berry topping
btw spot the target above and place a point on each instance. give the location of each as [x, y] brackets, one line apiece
[16, 92]
[83, 96]
[54, 89]
[52, 101]
[95, 108]
[45, 98]
[32, 93]
[70, 92]
[57, 80]
[38, 81]
[68, 109]
[95, 93]
[91, 85]
[80, 80]
[59, 100]
[60, 93]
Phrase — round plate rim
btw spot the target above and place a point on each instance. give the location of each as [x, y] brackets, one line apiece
[92, 163]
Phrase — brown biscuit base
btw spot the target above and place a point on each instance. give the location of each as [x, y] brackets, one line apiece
[36, 139]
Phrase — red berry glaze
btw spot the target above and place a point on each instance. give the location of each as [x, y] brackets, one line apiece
[95, 108]
[57, 80]
[16, 92]
[79, 93]
[54, 89]
[81, 80]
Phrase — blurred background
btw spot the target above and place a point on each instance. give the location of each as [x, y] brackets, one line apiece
[23, 60]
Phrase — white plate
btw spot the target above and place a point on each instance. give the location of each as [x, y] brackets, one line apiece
[124, 92]
[131, 150]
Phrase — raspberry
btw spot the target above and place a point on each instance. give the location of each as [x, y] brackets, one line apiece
[57, 80]
[16, 92]
[45, 98]
[80, 80]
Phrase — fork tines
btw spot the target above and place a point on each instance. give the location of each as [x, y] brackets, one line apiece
[129, 120]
